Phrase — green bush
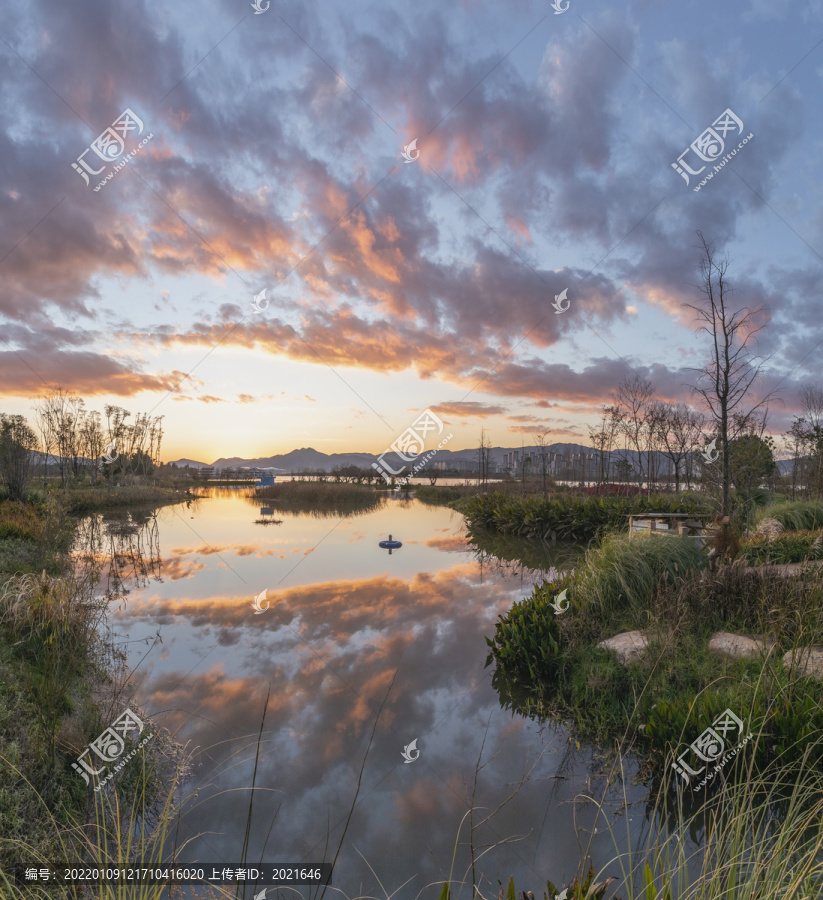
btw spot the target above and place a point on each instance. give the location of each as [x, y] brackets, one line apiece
[527, 641]
[789, 547]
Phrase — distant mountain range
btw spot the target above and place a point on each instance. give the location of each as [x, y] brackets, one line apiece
[307, 458]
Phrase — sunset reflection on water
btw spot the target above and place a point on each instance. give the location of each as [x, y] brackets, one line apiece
[344, 620]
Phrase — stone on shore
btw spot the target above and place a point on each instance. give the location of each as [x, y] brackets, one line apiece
[807, 661]
[736, 645]
[769, 527]
[628, 645]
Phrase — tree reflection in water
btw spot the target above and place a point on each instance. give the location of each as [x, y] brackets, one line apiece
[122, 548]
[533, 562]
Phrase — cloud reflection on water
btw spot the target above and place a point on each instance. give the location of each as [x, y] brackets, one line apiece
[330, 650]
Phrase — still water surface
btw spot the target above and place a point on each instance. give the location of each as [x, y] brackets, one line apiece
[346, 621]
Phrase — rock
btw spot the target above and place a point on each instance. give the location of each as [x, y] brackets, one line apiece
[629, 645]
[769, 528]
[737, 645]
[807, 660]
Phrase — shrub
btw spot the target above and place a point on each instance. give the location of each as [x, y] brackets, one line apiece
[527, 641]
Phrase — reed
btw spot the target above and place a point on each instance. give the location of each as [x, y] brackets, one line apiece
[627, 570]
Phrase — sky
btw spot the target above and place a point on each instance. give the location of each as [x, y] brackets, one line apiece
[264, 150]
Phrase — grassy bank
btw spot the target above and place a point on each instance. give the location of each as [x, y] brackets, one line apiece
[443, 494]
[319, 497]
[58, 675]
[58, 692]
[34, 536]
[567, 517]
[548, 665]
[85, 499]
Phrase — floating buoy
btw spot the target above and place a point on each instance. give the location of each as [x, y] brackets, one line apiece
[390, 544]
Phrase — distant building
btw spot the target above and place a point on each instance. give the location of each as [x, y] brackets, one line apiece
[511, 461]
[454, 465]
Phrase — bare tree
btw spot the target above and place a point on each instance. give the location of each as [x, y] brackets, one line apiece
[57, 416]
[483, 458]
[92, 444]
[811, 402]
[727, 378]
[543, 459]
[656, 423]
[45, 425]
[632, 398]
[602, 439]
[796, 439]
[680, 428]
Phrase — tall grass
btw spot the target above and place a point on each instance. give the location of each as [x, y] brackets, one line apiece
[627, 570]
[759, 837]
[33, 536]
[549, 666]
[134, 821]
[795, 515]
[49, 626]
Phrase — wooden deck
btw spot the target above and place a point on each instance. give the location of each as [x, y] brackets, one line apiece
[685, 524]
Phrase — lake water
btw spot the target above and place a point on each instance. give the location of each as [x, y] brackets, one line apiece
[350, 627]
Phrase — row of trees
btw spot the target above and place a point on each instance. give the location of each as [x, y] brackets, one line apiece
[727, 422]
[681, 434]
[74, 440]
[805, 442]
